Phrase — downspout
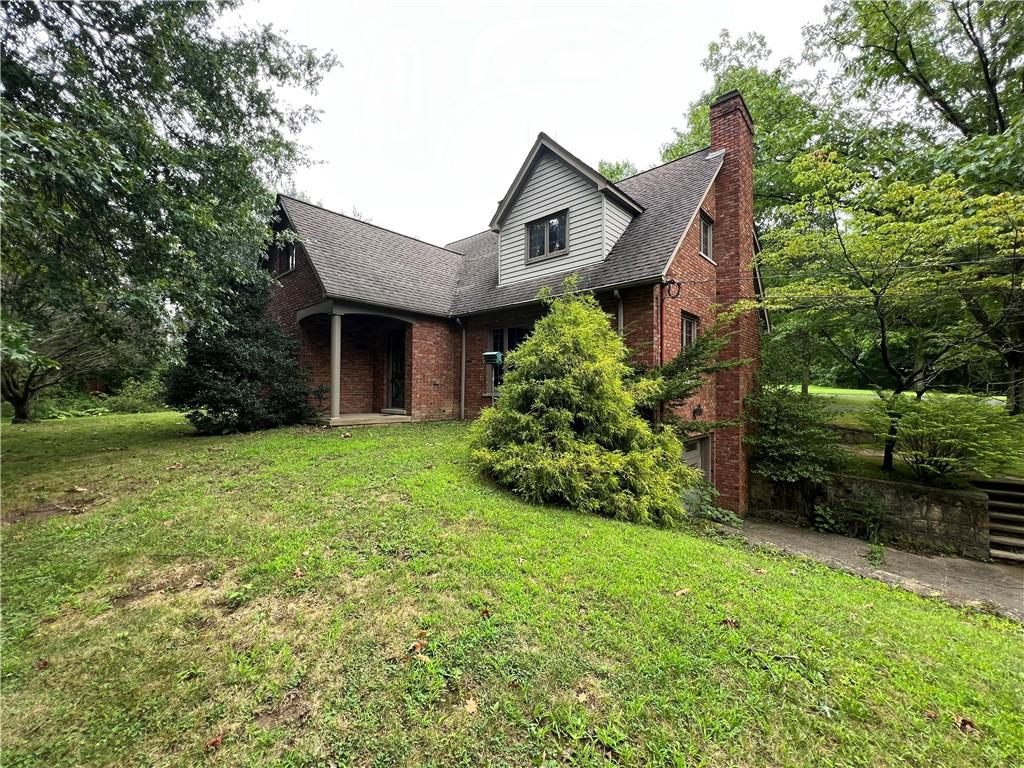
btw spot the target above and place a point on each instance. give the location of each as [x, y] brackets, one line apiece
[618, 298]
[462, 380]
[661, 339]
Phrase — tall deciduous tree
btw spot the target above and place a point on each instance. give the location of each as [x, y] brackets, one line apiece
[884, 266]
[139, 142]
[961, 62]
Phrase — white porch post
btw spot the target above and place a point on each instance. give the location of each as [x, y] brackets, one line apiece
[335, 366]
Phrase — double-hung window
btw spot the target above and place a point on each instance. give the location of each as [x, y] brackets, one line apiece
[707, 231]
[548, 236]
[689, 330]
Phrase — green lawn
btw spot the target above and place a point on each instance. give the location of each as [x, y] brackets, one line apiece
[302, 597]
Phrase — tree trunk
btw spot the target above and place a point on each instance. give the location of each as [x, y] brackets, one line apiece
[1015, 390]
[22, 409]
[805, 380]
[890, 444]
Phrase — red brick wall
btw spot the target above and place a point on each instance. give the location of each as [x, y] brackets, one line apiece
[433, 368]
[732, 130]
[695, 296]
[296, 290]
[479, 330]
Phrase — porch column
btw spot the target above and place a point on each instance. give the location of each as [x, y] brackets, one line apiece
[335, 366]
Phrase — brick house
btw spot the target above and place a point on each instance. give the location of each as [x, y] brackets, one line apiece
[396, 329]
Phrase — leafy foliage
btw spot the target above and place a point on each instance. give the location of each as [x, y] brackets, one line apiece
[240, 374]
[945, 434]
[62, 348]
[565, 427]
[616, 170]
[791, 439]
[881, 270]
[137, 146]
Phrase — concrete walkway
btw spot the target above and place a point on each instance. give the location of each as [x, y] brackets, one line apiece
[954, 579]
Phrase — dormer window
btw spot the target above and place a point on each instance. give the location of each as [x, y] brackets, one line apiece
[547, 237]
[707, 230]
[282, 259]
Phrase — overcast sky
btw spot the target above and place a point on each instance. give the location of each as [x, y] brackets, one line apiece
[436, 104]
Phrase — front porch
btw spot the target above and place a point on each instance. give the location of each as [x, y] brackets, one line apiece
[361, 365]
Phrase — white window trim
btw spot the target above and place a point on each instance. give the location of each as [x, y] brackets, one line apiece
[705, 219]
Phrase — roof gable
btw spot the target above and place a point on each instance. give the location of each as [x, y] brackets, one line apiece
[545, 143]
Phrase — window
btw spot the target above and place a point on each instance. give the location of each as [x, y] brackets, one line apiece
[504, 340]
[689, 334]
[282, 258]
[547, 237]
[707, 229]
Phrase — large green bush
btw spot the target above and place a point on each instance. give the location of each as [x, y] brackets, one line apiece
[240, 374]
[565, 428]
[949, 434]
[791, 439]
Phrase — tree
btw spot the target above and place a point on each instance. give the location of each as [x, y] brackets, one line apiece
[565, 427]
[62, 349]
[883, 266]
[791, 440]
[792, 115]
[138, 143]
[950, 435]
[616, 170]
[962, 64]
[240, 373]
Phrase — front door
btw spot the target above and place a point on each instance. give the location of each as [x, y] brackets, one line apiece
[396, 369]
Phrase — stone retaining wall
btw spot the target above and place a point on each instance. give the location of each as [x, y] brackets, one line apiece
[935, 519]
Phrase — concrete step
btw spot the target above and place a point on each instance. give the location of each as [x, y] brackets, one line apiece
[1006, 506]
[999, 554]
[1007, 541]
[1002, 484]
[995, 493]
[998, 526]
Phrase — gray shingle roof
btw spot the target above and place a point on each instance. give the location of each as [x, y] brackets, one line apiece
[362, 262]
[359, 261]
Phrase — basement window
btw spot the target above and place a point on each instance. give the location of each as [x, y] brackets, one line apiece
[547, 237]
[707, 231]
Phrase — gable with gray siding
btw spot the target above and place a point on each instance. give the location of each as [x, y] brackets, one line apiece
[554, 186]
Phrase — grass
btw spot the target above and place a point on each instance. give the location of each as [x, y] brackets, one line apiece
[300, 597]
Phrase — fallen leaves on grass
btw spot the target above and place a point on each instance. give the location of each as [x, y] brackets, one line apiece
[176, 465]
[42, 664]
[471, 706]
[965, 724]
[682, 592]
[931, 715]
[214, 744]
[731, 623]
[298, 573]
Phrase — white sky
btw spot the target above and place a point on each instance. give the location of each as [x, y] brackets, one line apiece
[436, 104]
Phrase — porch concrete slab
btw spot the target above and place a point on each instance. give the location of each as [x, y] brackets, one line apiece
[363, 419]
[958, 581]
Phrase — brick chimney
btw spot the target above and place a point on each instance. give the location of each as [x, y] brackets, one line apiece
[732, 130]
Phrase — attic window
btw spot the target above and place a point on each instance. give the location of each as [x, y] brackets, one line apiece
[707, 230]
[547, 237]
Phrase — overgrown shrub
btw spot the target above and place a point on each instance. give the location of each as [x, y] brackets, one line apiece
[137, 396]
[241, 374]
[948, 434]
[69, 402]
[791, 439]
[565, 428]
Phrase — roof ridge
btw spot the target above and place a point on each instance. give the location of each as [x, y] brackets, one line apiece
[369, 223]
[467, 237]
[667, 162]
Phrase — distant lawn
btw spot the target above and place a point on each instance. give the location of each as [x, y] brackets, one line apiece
[301, 597]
